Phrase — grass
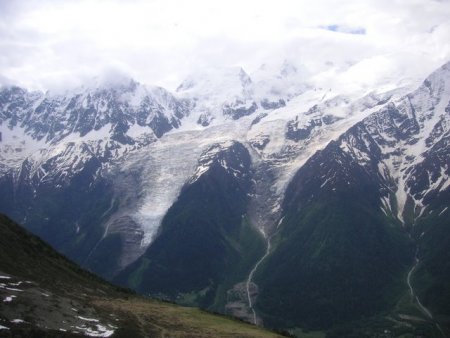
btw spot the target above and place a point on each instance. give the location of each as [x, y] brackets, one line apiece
[311, 334]
[136, 276]
[168, 320]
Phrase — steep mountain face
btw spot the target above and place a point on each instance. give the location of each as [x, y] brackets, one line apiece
[56, 154]
[335, 252]
[413, 136]
[229, 194]
[354, 212]
[119, 107]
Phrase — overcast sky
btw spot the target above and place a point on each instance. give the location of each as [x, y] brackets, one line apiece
[51, 44]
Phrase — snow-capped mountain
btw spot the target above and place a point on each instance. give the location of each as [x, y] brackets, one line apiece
[110, 110]
[367, 216]
[127, 127]
[278, 84]
[88, 122]
[114, 175]
[410, 138]
[219, 94]
[53, 143]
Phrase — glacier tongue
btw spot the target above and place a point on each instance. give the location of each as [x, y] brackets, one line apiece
[165, 166]
[168, 164]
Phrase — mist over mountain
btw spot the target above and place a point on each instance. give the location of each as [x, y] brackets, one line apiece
[258, 195]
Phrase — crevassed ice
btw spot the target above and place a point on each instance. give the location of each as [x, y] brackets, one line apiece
[167, 165]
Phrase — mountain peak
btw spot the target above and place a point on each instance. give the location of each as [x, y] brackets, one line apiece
[213, 79]
[288, 69]
[275, 81]
[112, 81]
[230, 89]
[439, 76]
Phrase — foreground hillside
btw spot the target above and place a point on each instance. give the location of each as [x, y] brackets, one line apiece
[44, 294]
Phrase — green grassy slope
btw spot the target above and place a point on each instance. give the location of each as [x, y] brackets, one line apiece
[51, 294]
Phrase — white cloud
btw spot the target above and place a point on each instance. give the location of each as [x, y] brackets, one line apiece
[49, 43]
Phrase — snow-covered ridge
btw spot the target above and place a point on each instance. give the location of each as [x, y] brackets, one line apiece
[208, 157]
[411, 137]
[52, 118]
[222, 94]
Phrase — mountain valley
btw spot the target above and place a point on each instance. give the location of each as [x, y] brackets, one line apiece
[260, 196]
